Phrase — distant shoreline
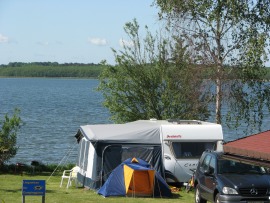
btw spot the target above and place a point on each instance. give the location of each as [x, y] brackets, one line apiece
[11, 77]
[50, 70]
[55, 70]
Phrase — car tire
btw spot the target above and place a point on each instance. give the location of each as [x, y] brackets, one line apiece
[198, 198]
[217, 198]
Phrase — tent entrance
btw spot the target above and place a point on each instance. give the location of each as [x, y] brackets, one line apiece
[114, 154]
[138, 182]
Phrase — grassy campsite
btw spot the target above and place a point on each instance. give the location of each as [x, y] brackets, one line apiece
[11, 191]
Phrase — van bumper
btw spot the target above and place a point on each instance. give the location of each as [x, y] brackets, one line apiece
[241, 199]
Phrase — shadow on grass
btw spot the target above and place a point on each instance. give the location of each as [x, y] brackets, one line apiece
[175, 196]
[11, 191]
[51, 191]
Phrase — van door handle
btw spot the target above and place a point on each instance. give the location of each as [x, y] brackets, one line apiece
[167, 157]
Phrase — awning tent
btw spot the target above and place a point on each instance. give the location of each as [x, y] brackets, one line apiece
[104, 147]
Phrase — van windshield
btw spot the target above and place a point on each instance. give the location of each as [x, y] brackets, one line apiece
[190, 149]
[231, 166]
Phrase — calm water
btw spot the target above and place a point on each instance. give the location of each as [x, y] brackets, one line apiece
[53, 110]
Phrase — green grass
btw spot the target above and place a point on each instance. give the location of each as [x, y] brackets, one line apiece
[11, 192]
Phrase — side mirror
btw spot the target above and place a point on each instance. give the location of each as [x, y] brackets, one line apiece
[208, 171]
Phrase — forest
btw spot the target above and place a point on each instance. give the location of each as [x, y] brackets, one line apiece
[54, 69]
[51, 69]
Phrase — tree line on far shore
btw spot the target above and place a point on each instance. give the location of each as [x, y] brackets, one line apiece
[54, 69]
[51, 69]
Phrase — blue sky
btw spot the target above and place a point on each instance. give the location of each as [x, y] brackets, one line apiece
[68, 31]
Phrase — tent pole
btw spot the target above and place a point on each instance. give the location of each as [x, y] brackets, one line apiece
[102, 164]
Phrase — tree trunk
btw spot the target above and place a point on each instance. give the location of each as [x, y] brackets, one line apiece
[218, 101]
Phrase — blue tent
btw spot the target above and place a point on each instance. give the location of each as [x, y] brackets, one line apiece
[135, 177]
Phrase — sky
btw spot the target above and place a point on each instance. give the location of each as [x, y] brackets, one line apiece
[69, 31]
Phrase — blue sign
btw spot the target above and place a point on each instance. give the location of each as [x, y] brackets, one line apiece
[34, 187]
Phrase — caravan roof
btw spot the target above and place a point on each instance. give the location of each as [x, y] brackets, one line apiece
[149, 131]
[186, 129]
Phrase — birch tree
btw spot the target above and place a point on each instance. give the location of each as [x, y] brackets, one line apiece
[229, 39]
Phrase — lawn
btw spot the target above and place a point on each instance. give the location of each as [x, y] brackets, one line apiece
[11, 192]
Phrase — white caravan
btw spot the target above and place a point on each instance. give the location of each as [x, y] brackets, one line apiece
[173, 145]
[183, 142]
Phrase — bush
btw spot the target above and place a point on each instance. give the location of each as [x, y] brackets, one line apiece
[36, 168]
[8, 136]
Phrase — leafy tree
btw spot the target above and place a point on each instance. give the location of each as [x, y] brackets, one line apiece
[145, 84]
[230, 39]
[8, 136]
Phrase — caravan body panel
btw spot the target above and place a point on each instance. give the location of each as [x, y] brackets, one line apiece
[199, 132]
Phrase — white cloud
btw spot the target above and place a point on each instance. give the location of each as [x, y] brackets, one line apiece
[58, 42]
[45, 43]
[123, 43]
[97, 41]
[3, 39]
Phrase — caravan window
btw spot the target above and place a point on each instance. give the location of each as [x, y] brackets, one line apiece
[190, 149]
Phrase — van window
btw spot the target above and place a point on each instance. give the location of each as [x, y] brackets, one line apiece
[212, 166]
[205, 163]
[190, 149]
[231, 166]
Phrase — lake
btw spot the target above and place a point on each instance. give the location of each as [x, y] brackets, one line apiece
[52, 111]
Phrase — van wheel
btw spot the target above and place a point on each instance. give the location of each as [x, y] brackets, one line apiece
[217, 198]
[198, 198]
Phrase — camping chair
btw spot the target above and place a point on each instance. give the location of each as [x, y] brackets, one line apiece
[70, 175]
